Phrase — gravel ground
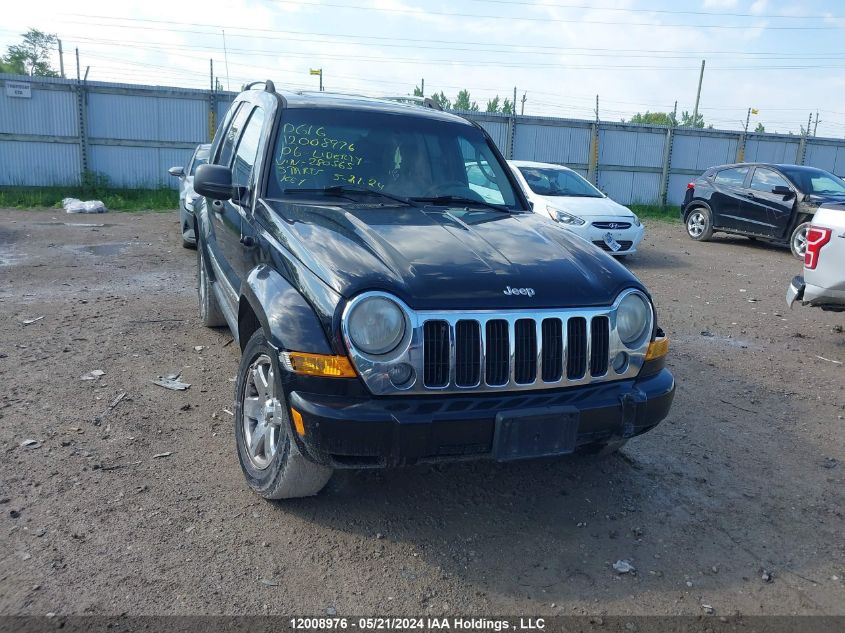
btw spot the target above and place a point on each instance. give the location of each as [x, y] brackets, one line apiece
[135, 503]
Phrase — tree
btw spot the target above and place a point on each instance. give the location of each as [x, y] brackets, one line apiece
[441, 100]
[760, 128]
[418, 91]
[655, 118]
[32, 56]
[463, 102]
[686, 120]
[493, 104]
[507, 106]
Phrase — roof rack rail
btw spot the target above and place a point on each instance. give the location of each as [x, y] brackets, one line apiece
[425, 102]
[269, 86]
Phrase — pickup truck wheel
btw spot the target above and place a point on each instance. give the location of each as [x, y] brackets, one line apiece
[269, 457]
[700, 224]
[798, 240]
[210, 313]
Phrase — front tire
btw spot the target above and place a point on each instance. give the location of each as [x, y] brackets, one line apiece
[270, 459]
[210, 313]
[798, 240]
[700, 224]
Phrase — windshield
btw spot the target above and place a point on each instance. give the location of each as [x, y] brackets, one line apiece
[200, 158]
[549, 181]
[396, 154]
[810, 180]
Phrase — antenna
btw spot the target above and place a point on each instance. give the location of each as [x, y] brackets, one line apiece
[226, 59]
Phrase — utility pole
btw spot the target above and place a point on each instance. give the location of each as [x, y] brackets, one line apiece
[226, 60]
[675, 114]
[422, 87]
[816, 126]
[211, 74]
[747, 120]
[524, 97]
[597, 109]
[77, 66]
[61, 60]
[513, 107]
[698, 95]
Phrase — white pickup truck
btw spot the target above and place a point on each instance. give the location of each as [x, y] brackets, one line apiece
[823, 282]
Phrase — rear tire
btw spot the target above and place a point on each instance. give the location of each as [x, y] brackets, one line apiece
[699, 224]
[798, 240]
[210, 313]
[270, 459]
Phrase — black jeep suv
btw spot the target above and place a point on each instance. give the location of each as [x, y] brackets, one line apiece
[389, 312]
[775, 203]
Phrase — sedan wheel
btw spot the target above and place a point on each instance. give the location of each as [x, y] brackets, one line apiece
[699, 225]
[798, 243]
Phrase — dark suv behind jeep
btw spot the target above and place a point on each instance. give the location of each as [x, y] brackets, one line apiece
[391, 312]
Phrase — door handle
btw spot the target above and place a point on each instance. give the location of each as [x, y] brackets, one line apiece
[247, 241]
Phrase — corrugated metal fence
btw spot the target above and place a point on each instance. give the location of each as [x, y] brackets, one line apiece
[132, 134]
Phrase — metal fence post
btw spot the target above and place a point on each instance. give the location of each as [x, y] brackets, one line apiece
[593, 166]
[511, 136]
[743, 142]
[82, 124]
[667, 163]
[212, 115]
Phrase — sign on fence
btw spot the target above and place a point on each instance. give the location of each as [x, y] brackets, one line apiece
[18, 89]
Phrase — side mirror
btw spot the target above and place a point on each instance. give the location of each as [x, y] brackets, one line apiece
[176, 171]
[782, 190]
[213, 181]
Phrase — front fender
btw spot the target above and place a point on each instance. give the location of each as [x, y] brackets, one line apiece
[288, 320]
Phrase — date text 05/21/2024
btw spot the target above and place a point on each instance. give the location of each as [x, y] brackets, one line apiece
[406, 624]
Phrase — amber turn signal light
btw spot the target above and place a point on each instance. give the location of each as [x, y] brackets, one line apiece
[657, 348]
[298, 424]
[318, 365]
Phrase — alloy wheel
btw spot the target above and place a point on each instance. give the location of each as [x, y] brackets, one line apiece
[262, 413]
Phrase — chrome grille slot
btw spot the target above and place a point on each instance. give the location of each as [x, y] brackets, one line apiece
[552, 332]
[599, 345]
[525, 352]
[576, 348]
[467, 353]
[436, 354]
[497, 364]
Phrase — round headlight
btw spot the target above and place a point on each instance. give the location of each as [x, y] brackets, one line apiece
[376, 325]
[632, 319]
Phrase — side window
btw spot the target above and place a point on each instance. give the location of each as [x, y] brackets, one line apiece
[733, 177]
[227, 147]
[247, 149]
[766, 180]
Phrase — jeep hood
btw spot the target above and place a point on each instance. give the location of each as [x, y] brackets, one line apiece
[441, 258]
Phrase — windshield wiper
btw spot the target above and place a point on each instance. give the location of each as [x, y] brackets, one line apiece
[446, 200]
[343, 190]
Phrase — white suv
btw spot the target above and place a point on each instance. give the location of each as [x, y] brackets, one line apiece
[566, 197]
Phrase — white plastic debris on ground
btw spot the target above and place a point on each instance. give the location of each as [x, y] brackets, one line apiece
[74, 205]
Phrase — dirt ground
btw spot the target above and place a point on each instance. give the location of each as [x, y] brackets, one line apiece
[735, 502]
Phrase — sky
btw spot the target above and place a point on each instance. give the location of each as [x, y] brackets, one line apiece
[783, 58]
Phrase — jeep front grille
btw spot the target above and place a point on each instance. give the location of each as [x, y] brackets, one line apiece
[498, 351]
[525, 362]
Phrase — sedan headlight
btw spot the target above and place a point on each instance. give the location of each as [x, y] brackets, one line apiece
[563, 217]
[636, 220]
[376, 325]
[632, 319]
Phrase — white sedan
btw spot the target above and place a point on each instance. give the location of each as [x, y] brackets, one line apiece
[569, 199]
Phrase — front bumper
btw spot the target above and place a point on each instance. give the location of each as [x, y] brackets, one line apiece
[629, 238]
[354, 432]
